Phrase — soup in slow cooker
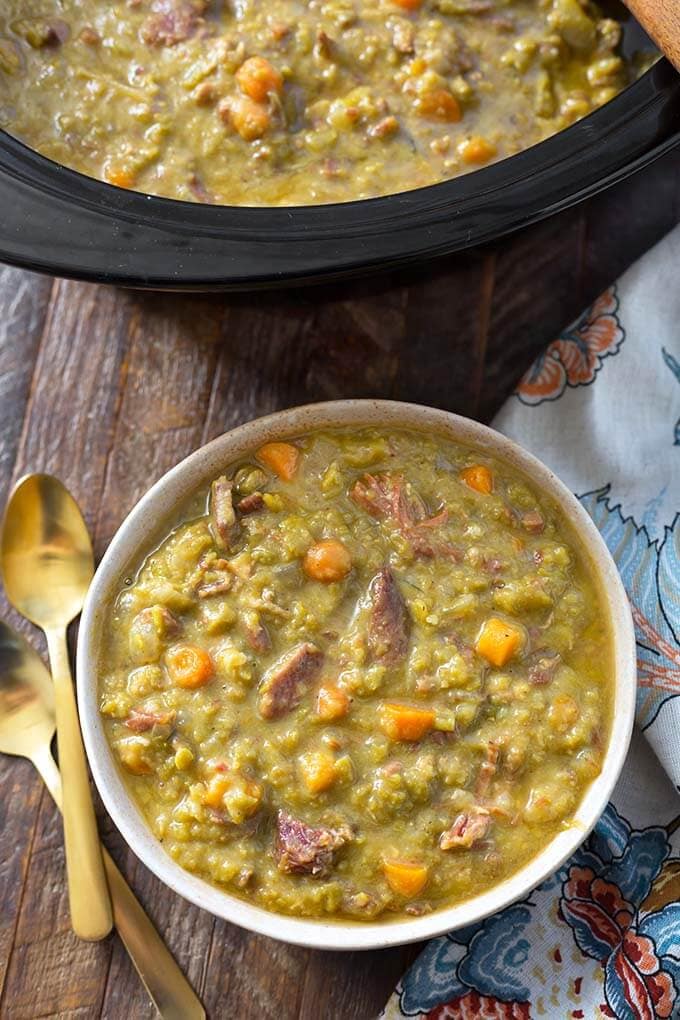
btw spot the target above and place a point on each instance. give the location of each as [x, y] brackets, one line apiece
[290, 102]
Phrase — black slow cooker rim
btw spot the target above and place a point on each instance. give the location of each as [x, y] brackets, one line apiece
[58, 221]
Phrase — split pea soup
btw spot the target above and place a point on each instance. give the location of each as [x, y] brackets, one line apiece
[366, 673]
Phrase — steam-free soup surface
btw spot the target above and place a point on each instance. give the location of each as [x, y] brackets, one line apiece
[291, 102]
[368, 673]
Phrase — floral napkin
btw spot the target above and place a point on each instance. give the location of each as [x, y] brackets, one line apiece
[601, 938]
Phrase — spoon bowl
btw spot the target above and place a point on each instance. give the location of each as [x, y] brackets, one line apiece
[47, 559]
[27, 722]
[47, 566]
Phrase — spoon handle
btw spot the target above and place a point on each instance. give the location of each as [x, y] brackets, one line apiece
[87, 890]
[170, 992]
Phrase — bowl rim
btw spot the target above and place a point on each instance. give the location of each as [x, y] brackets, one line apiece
[173, 489]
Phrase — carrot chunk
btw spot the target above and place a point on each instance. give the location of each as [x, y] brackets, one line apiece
[317, 769]
[478, 477]
[281, 458]
[189, 666]
[476, 150]
[258, 78]
[498, 641]
[404, 722]
[327, 561]
[405, 878]
[408, 5]
[250, 119]
[120, 177]
[440, 105]
[331, 702]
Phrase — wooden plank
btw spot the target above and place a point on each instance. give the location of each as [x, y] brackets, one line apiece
[634, 216]
[446, 333]
[523, 317]
[68, 429]
[23, 307]
[163, 401]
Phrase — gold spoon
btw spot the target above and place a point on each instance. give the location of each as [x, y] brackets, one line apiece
[26, 729]
[47, 565]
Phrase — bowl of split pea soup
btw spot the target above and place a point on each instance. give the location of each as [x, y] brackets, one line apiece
[355, 674]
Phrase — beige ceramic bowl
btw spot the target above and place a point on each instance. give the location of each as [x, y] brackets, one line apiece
[144, 527]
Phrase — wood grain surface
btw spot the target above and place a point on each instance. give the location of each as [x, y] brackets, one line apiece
[108, 389]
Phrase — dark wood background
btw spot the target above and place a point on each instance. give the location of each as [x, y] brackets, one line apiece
[109, 388]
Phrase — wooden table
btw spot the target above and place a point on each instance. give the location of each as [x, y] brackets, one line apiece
[108, 389]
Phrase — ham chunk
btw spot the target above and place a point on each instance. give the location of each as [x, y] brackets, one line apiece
[469, 828]
[389, 622]
[285, 683]
[172, 21]
[222, 511]
[542, 670]
[141, 719]
[532, 521]
[390, 497]
[251, 504]
[303, 850]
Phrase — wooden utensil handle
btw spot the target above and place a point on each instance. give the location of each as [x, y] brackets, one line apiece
[661, 20]
[88, 892]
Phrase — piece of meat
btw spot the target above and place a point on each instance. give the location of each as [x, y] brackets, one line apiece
[303, 850]
[90, 36]
[487, 770]
[285, 683]
[222, 511]
[172, 21]
[323, 45]
[218, 586]
[469, 828]
[250, 504]
[257, 637]
[212, 576]
[389, 623]
[384, 128]
[389, 497]
[198, 189]
[532, 521]
[141, 719]
[543, 669]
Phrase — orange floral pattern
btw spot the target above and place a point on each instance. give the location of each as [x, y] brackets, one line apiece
[575, 358]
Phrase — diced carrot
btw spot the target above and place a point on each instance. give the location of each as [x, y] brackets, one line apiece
[327, 561]
[282, 458]
[331, 702]
[478, 477]
[405, 878]
[408, 5]
[317, 769]
[440, 105]
[258, 78]
[119, 176]
[498, 641]
[234, 794]
[476, 150]
[216, 789]
[189, 666]
[405, 722]
[250, 119]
